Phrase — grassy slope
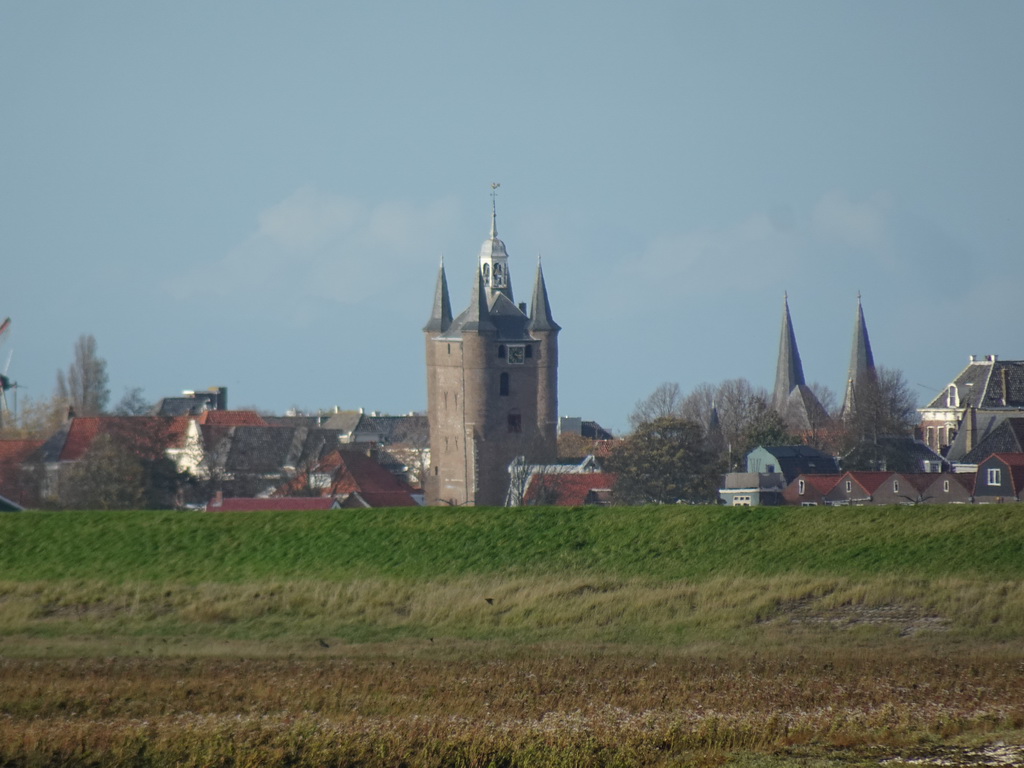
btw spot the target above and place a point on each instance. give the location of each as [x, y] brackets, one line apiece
[693, 543]
[662, 575]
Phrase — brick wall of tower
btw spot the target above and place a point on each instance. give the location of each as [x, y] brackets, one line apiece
[450, 471]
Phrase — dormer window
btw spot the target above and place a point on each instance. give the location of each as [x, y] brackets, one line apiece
[952, 397]
[800, 487]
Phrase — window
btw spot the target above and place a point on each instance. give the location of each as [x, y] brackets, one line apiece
[487, 274]
[945, 486]
[529, 351]
[895, 486]
[503, 385]
[952, 397]
[849, 486]
[501, 351]
[995, 477]
[515, 421]
[800, 487]
[931, 438]
[741, 501]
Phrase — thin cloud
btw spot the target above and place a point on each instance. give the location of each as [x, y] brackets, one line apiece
[316, 245]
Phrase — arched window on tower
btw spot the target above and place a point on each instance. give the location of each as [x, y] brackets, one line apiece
[503, 385]
[487, 274]
[515, 421]
[499, 276]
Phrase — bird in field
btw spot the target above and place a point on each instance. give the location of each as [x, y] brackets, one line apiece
[490, 600]
[322, 643]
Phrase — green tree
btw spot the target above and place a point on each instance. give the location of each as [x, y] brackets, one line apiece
[665, 461]
[765, 427]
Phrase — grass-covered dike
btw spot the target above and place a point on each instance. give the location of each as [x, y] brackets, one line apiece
[622, 636]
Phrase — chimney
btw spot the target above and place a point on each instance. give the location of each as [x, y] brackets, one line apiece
[972, 426]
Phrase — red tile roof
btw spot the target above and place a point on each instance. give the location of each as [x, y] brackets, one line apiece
[148, 433]
[355, 472]
[869, 481]
[569, 489]
[821, 483]
[231, 419]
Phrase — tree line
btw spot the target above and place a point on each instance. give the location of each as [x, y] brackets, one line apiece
[680, 444]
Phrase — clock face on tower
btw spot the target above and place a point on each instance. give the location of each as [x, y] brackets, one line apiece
[516, 355]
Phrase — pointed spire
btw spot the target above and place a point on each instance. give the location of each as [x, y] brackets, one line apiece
[540, 308]
[478, 317]
[862, 362]
[441, 315]
[494, 210]
[789, 373]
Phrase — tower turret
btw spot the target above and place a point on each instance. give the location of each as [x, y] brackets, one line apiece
[441, 315]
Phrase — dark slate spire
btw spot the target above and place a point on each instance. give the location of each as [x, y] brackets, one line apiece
[540, 309]
[478, 316]
[441, 316]
[862, 362]
[789, 373]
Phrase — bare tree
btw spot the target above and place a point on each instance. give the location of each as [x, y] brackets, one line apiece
[84, 387]
[884, 406]
[133, 404]
[665, 400]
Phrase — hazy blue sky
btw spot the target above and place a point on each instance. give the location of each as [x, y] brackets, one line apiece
[257, 194]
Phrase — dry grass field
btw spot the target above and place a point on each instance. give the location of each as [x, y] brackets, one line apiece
[122, 646]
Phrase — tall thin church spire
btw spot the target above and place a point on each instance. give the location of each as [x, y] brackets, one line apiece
[862, 362]
[494, 210]
[789, 373]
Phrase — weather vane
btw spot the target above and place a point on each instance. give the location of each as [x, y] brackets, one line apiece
[494, 208]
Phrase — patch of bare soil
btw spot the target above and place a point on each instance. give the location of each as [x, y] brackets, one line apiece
[908, 619]
[994, 754]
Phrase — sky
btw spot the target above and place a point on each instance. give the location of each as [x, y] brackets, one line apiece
[257, 195]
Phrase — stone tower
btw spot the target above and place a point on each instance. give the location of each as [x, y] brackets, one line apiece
[492, 383]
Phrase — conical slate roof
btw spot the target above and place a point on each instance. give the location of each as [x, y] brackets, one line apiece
[789, 372]
[441, 315]
[862, 362]
[540, 308]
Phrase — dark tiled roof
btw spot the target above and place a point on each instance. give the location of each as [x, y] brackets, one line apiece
[1007, 437]
[267, 450]
[392, 430]
[802, 459]
[980, 385]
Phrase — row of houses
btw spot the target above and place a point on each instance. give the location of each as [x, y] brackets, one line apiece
[350, 457]
[799, 475]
